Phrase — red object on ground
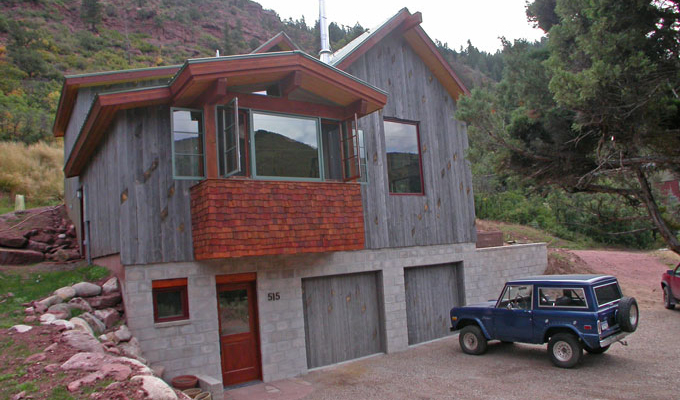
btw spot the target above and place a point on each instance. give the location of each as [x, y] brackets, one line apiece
[184, 382]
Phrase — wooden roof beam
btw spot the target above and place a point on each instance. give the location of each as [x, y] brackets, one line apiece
[359, 107]
[217, 92]
[290, 83]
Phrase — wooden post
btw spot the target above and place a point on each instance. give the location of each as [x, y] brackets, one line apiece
[19, 202]
[210, 141]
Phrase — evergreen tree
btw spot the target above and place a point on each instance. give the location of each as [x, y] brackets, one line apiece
[598, 111]
[90, 13]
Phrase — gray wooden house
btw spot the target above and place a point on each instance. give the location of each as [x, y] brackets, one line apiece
[269, 213]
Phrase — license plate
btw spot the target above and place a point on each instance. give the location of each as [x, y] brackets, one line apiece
[605, 325]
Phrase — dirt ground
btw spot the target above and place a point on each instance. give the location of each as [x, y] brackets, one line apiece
[648, 368]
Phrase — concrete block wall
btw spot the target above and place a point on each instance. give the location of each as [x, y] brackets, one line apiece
[487, 270]
[193, 346]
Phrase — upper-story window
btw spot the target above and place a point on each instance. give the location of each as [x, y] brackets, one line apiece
[261, 144]
[187, 144]
[286, 146]
[402, 143]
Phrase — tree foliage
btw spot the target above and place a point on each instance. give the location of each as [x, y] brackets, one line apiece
[91, 13]
[597, 111]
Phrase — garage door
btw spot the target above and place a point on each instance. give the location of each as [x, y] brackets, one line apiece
[431, 292]
[343, 317]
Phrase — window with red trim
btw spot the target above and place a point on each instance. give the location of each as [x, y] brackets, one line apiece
[170, 300]
[404, 165]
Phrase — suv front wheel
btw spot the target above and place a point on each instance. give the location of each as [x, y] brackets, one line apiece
[472, 340]
[565, 350]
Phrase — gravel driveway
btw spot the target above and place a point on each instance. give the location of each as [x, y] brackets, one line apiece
[648, 368]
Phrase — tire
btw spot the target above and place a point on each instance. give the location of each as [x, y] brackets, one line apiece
[599, 350]
[629, 314]
[565, 350]
[472, 340]
[667, 302]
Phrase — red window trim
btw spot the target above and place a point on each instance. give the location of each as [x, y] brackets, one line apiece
[420, 157]
[170, 285]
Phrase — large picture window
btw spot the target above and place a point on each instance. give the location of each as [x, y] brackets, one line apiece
[286, 146]
[187, 144]
[402, 144]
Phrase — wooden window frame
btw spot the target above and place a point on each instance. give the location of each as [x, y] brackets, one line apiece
[420, 156]
[172, 139]
[170, 285]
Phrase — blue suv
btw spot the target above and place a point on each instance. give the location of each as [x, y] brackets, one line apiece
[569, 312]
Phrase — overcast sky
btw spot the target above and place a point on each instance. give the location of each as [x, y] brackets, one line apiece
[450, 21]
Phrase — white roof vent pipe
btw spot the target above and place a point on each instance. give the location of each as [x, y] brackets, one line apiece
[325, 53]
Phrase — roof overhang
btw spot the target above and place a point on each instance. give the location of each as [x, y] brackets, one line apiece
[72, 83]
[207, 81]
[408, 25]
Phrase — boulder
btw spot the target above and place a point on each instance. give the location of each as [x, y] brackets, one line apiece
[43, 237]
[82, 341]
[60, 311]
[117, 371]
[29, 311]
[30, 319]
[143, 369]
[155, 388]
[12, 239]
[110, 286]
[80, 304]
[21, 328]
[45, 319]
[122, 334]
[87, 289]
[37, 357]
[71, 231]
[108, 316]
[158, 370]
[131, 348]
[82, 326]
[95, 323]
[66, 293]
[50, 301]
[63, 255]
[20, 256]
[30, 233]
[105, 301]
[36, 246]
[88, 379]
[63, 324]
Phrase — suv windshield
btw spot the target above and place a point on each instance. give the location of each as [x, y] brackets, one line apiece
[607, 293]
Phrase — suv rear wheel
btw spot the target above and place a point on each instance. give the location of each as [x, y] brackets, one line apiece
[472, 340]
[565, 350]
[667, 302]
[628, 315]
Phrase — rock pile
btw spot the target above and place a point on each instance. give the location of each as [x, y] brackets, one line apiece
[105, 347]
[32, 236]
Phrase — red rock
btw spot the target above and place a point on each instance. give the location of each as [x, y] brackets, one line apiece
[37, 246]
[20, 257]
[80, 304]
[29, 319]
[30, 233]
[119, 372]
[91, 378]
[52, 368]
[108, 316]
[13, 240]
[35, 358]
[71, 231]
[43, 237]
[105, 301]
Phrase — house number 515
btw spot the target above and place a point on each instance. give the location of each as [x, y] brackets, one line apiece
[273, 296]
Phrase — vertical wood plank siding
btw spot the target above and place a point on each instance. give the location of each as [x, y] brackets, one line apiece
[445, 214]
[343, 317]
[134, 205]
[431, 291]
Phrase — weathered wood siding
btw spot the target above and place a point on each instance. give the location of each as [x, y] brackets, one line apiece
[343, 317]
[445, 214]
[134, 205]
[84, 101]
[431, 292]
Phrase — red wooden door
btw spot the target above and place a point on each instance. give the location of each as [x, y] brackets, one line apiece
[239, 339]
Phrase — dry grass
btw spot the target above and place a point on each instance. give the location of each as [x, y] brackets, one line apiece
[34, 171]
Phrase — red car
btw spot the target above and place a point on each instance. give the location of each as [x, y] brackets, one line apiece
[670, 284]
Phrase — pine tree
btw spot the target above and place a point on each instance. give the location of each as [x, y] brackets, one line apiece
[90, 13]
